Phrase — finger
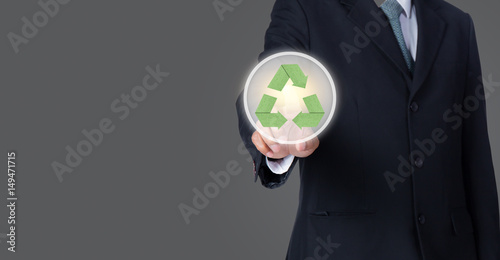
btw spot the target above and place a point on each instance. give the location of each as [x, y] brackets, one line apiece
[300, 146]
[307, 145]
[275, 147]
[261, 145]
[267, 132]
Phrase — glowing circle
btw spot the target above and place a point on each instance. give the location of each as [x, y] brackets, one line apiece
[290, 100]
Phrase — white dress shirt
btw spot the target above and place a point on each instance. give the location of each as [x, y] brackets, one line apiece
[409, 27]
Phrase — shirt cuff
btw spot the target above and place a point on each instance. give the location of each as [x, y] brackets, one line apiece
[280, 166]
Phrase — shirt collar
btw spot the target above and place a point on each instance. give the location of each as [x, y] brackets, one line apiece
[406, 4]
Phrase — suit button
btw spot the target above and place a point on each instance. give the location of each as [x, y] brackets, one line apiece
[421, 219]
[419, 162]
[414, 106]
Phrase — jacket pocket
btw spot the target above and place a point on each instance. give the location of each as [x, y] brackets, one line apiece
[343, 213]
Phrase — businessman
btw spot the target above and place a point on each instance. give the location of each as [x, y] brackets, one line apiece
[404, 171]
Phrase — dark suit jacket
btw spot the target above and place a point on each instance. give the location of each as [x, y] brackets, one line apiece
[404, 171]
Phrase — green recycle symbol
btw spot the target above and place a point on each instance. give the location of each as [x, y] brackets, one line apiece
[268, 119]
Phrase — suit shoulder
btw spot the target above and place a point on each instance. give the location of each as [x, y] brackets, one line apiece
[453, 15]
[450, 10]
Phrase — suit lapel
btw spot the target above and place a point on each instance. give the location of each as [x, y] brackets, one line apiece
[431, 30]
[361, 13]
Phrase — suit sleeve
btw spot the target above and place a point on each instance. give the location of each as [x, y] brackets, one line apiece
[479, 176]
[288, 31]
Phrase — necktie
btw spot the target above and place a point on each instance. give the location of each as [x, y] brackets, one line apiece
[393, 10]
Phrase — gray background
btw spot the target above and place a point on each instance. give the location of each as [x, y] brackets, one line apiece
[122, 201]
